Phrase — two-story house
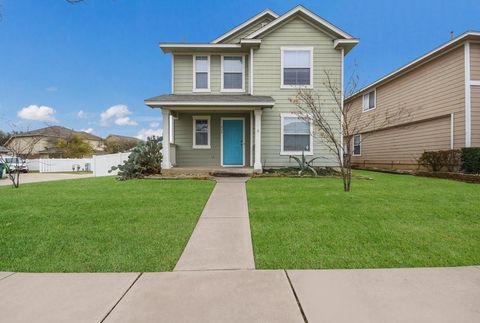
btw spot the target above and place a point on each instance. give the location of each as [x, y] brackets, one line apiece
[439, 97]
[230, 102]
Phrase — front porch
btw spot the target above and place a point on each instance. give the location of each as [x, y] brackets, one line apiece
[211, 134]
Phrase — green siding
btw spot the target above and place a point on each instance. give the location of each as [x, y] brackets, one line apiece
[183, 69]
[267, 78]
[183, 132]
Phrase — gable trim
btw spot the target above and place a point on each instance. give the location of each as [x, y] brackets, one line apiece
[299, 9]
[264, 13]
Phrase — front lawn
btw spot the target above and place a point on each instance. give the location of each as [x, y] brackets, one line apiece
[390, 221]
[98, 224]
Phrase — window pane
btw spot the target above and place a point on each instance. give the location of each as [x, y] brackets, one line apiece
[201, 81]
[295, 125]
[201, 64]
[371, 101]
[201, 125]
[296, 76]
[356, 140]
[296, 58]
[296, 142]
[201, 138]
[232, 80]
[232, 64]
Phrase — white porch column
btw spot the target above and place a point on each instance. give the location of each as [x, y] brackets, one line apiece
[257, 166]
[166, 140]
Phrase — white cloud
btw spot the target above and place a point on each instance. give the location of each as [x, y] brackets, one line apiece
[144, 133]
[118, 112]
[82, 114]
[87, 130]
[155, 124]
[51, 89]
[125, 121]
[37, 113]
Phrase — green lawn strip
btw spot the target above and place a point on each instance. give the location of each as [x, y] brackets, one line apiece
[390, 221]
[98, 224]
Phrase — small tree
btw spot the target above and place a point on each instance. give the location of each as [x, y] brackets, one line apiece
[335, 123]
[145, 159]
[119, 145]
[74, 147]
[23, 148]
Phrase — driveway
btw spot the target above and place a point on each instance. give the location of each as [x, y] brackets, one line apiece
[43, 177]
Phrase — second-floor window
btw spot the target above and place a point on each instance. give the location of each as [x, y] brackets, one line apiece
[201, 73]
[233, 73]
[369, 101]
[297, 67]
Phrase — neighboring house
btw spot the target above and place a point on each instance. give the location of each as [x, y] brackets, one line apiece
[4, 151]
[118, 143]
[230, 104]
[41, 143]
[440, 91]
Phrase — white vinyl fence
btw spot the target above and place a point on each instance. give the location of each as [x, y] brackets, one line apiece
[103, 163]
[56, 165]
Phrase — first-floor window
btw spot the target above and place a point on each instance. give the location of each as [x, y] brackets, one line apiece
[296, 134]
[357, 145]
[201, 132]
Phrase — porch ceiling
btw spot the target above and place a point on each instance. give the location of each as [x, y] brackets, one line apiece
[210, 100]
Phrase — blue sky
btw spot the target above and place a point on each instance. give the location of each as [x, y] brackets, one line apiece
[81, 60]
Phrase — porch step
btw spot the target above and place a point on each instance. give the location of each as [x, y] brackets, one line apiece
[208, 171]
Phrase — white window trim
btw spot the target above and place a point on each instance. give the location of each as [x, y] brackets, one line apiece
[194, 89]
[287, 153]
[283, 86]
[353, 145]
[374, 102]
[194, 145]
[243, 73]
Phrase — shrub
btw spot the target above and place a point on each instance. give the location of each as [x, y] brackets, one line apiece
[471, 160]
[145, 159]
[435, 161]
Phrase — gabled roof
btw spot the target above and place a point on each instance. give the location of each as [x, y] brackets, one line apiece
[303, 12]
[262, 15]
[469, 35]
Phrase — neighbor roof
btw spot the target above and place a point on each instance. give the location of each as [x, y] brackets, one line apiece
[120, 137]
[469, 35]
[56, 131]
[210, 100]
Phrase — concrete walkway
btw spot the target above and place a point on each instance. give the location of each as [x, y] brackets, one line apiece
[221, 239]
[373, 295]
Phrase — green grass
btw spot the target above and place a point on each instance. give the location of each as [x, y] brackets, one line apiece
[98, 224]
[390, 221]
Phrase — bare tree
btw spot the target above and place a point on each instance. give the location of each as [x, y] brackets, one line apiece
[22, 148]
[335, 123]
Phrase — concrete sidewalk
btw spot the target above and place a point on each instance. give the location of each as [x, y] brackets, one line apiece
[372, 295]
[221, 239]
[44, 177]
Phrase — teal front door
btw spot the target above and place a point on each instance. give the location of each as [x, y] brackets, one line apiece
[232, 145]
